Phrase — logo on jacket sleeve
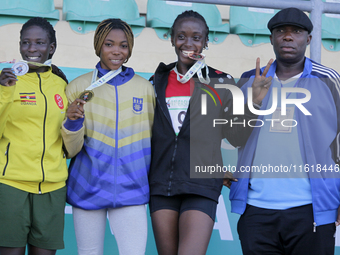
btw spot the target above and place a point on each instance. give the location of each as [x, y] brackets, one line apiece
[59, 100]
[137, 105]
[28, 98]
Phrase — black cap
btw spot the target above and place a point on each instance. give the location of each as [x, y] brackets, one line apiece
[290, 17]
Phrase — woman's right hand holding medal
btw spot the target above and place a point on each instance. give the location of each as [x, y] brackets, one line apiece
[76, 109]
[7, 77]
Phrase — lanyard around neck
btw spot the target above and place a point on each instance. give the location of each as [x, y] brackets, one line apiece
[110, 75]
[196, 68]
[48, 62]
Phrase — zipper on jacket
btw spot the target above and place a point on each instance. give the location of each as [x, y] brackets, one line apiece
[338, 147]
[172, 167]
[44, 134]
[6, 154]
[311, 180]
[116, 149]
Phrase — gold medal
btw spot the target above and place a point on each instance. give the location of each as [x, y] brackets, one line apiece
[87, 95]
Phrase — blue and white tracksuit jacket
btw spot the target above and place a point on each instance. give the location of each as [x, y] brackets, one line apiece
[318, 139]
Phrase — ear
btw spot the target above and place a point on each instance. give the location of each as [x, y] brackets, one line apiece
[172, 41]
[309, 38]
[271, 39]
[52, 48]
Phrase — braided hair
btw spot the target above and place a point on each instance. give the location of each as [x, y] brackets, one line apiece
[189, 14]
[48, 28]
[105, 27]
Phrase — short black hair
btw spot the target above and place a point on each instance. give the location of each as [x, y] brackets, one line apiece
[45, 25]
[189, 14]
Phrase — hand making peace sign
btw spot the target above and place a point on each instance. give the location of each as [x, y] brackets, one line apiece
[261, 83]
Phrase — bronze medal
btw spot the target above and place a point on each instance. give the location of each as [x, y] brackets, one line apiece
[196, 56]
[87, 95]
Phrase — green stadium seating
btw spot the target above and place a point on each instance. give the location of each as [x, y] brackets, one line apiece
[250, 24]
[330, 32]
[19, 11]
[84, 15]
[161, 15]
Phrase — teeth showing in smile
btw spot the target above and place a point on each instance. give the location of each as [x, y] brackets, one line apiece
[33, 58]
[115, 61]
[186, 53]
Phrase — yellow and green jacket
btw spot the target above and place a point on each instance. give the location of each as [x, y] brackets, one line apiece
[31, 147]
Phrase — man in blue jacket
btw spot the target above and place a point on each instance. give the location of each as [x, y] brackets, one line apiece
[288, 189]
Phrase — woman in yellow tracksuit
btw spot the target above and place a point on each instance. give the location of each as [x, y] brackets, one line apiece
[33, 166]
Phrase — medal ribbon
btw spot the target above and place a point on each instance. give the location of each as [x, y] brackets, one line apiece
[48, 62]
[104, 79]
[196, 68]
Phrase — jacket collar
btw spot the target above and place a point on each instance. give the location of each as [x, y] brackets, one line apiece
[308, 66]
[160, 84]
[123, 77]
